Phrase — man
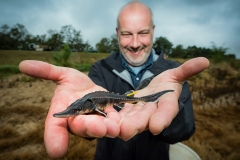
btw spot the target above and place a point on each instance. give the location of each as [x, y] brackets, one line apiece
[137, 131]
[124, 71]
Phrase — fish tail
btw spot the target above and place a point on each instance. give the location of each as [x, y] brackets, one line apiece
[154, 97]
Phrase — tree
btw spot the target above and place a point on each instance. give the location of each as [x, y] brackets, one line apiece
[104, 46]
[13, 38]
[163, 44]
[114, 43]
[218, 53]
[72, 37]
[18, 34]
[55, 40]
[178, 52]
[5, 39]
[192, 51]
[87, 47]
[63, 57]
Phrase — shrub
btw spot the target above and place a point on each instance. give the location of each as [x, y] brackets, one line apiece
[6, 70]
[62, 58]
[83, 67]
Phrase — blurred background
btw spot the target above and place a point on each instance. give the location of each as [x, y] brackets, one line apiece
[78, 33]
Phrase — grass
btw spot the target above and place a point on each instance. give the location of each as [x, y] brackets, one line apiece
[9, 60]
[10, 57]
[8, 70]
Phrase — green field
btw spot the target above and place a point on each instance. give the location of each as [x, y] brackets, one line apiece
[9, 57]
[9, 60]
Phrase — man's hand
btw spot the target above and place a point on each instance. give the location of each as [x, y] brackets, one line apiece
[156, 117]
[71, 85]
[132, 119]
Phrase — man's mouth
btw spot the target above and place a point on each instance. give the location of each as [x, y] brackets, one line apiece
[135, 51]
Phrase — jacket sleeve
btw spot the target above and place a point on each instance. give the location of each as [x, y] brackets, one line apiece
[182, 126]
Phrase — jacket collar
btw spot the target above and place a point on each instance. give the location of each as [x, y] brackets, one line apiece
[114, 63]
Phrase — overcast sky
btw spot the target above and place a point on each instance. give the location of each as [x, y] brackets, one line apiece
[186, 22]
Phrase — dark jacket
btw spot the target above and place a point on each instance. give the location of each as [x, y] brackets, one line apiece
[110, 74]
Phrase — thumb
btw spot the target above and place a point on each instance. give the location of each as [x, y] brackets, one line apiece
[191, 68]
[41, 69]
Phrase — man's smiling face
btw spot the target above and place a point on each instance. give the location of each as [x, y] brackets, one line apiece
[135, 33]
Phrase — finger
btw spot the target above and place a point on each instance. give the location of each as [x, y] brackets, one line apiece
[56, 129]
[113, 128]
[56, 134]
[40, 69]
[56, 138]
[95, 126]
[177, 75]
[87, 126]
[112, 122]
[136, 121]
[191, 68]
[61, 75]
[48, 71]
[165, 113]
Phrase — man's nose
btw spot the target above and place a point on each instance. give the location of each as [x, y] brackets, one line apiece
[135, 41]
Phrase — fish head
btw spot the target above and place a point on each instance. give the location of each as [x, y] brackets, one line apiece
[79, 107]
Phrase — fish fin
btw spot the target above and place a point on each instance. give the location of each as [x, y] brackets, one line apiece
[130, 93]
[101, 112]
[119, 105]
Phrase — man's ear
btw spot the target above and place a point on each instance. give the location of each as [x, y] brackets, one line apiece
[117, 33]
[153, 29]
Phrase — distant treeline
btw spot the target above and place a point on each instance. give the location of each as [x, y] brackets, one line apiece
[18, 37]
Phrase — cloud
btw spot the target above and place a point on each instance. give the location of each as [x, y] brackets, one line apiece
[199, 23]
[183, 22]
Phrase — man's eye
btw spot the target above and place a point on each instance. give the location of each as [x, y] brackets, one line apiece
[144, 33]
[126, 34]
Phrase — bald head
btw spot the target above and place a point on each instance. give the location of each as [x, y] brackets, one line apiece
[135, 33]
[133, 8]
